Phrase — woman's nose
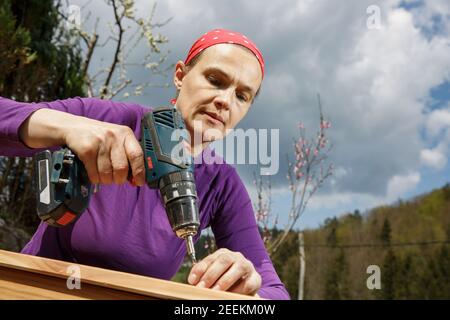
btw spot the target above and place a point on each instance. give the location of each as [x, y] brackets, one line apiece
[223, 99]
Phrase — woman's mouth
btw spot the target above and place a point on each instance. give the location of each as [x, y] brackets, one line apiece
[214, 118]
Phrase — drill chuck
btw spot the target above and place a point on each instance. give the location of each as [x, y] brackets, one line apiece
[180, 199]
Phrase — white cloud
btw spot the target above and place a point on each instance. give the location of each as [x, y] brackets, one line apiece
[437, 127]
[280, 86]
[340, 172]
[334, 202]
[438, 121]
[399, 185]
[433, 158]
[339, 199]
[425, 14]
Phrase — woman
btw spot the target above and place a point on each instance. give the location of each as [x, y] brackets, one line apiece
[125, 227]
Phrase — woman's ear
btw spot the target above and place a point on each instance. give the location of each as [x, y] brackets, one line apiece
[180, 72]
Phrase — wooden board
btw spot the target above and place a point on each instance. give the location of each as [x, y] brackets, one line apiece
[30, 277]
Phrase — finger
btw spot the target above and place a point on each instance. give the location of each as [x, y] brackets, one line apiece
[200, 268]
[90, 164]
[248, 286]
[136, 158]
[104, 164]
[216, 270]
[119, 162]
[232, 276]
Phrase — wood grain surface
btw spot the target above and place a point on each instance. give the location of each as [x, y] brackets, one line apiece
[30, 277]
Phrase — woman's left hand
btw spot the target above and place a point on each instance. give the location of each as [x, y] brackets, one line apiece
[227, 271]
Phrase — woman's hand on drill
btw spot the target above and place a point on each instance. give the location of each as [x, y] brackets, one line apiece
[227, 271]
[107, 151]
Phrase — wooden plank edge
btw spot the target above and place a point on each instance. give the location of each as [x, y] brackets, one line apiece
[124, 281]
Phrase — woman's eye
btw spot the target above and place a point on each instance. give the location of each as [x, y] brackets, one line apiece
[213, 81]
[242, 97]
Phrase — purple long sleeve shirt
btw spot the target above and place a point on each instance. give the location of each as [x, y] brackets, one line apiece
[126, 228]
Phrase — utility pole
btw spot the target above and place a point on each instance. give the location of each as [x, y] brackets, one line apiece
[301, 278]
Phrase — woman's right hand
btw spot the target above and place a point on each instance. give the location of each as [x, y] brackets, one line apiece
[107, 150]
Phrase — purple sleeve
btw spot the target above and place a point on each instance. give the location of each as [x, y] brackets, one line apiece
[13, 114]
[234, 227]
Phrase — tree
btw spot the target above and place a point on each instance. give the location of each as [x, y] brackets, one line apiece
[41, 59]
[306, 174]
[126, 33]
[331, 226]
[357, 215]
[336, 282]
[290, 275]
[286, 262]
[37, 61]
[389, 276]
[35, 64]
[446, 191]
[385, 235]
[441, 274]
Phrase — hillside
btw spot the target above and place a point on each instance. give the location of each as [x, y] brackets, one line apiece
[409, 241]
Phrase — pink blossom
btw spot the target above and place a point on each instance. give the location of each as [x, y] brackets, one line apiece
[325, 125]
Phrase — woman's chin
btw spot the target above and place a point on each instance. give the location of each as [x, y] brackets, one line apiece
[211, 132]
[211, 135]
[209, 139]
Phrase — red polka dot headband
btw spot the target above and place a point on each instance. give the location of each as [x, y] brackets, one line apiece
[223, 36]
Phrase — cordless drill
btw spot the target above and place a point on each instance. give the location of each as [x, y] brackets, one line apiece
[64, 190]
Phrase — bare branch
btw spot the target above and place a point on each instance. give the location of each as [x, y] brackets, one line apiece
[91, 47]
[118, 20]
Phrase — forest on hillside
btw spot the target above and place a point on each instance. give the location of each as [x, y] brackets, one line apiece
[409, 241]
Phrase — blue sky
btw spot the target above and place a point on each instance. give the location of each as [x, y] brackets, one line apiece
[386, 90]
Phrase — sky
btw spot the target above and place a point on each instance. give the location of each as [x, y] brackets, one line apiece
[382, 69]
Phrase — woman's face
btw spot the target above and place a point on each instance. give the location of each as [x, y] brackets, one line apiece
[216, 93]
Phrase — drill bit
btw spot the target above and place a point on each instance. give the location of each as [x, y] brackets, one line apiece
[190, 248]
